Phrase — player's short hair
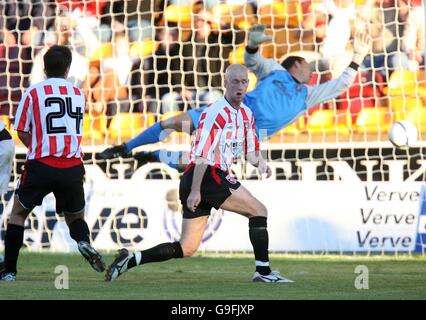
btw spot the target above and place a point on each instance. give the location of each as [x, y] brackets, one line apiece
[56, 61]
[288, 62]
[232, 68]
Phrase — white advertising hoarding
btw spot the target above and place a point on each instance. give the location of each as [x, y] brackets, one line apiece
[320, 216]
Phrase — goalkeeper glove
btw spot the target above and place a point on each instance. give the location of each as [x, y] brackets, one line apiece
[256, 36]
[113, 152]
[361, 47]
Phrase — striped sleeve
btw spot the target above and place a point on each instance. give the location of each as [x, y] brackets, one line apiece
[24, 113]
[251, 138]
[208, 136]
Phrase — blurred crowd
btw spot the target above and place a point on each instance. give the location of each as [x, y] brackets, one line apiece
[166, 56]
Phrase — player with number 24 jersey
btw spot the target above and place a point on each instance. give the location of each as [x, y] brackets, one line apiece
[52, 111]
[49, 122]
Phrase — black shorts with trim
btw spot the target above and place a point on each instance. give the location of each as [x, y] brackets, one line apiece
[214, 191]
[39, 179]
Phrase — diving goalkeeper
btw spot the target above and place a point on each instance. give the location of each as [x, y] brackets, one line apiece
[280, 97]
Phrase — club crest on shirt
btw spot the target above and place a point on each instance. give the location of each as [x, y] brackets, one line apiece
[299, 87]
[246, 125]
[231, 179]
[281, 87]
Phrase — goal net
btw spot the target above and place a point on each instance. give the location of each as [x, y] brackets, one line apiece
[338, 185]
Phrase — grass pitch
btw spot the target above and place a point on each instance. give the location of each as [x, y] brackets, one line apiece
[210, 277]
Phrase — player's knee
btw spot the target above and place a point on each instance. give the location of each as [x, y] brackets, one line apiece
[71, 217]
[18, 209]
[188, 250]
[171, 123]
[258, 210]
[167, 124]
[181, 123]
[263, 211]
[18, 215]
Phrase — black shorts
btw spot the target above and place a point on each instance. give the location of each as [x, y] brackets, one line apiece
[39, 179]
[214, 191]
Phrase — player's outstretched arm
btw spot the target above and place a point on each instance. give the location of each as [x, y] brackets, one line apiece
[257, 36]
[333, 88]
[362, 45]
[252, 59]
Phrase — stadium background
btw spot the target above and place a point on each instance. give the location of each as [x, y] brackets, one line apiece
[338, 184]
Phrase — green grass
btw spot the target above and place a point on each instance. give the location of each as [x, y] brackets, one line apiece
[222, 277]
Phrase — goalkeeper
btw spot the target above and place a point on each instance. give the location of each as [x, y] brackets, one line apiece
[280, 97]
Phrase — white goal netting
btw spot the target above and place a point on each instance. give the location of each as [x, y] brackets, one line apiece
[140, 62]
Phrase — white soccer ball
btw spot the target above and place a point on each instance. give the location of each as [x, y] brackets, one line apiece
[403, 134]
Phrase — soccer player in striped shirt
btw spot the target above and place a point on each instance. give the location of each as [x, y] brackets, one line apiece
[280, 97]
[49, 123]
[226, 130]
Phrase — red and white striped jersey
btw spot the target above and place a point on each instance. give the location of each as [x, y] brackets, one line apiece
[52, 112]
[224, 133]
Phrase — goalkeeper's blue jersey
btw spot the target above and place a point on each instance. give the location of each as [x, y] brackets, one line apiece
[276, 102]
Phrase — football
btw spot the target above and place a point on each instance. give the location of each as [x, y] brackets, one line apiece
[403, 134]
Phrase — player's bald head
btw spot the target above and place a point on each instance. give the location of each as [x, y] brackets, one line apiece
[236, 83]
[235, 70]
